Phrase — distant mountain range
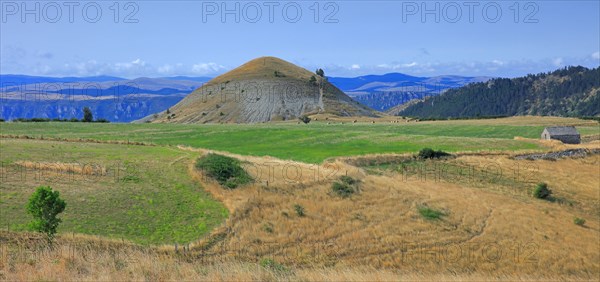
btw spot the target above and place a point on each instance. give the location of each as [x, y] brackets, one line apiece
[113, 98]
[124, 100]
[382, 92]
[571, 91]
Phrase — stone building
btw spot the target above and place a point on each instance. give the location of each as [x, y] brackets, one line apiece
[566, 134]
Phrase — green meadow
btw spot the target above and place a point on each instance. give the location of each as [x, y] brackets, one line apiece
[310, 143]
[145, 196]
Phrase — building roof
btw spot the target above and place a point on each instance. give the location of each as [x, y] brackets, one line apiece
[562, 130]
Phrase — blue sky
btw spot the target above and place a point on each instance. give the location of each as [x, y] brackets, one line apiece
[346, 38]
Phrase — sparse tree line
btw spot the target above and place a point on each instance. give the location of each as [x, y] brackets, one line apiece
[87, 117]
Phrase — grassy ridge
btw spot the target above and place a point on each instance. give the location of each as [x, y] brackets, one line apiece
[145, 196]
[309, 143]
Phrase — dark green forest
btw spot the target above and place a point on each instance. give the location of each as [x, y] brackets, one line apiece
[570, 91]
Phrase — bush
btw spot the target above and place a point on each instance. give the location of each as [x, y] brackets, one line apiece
[345, 187]
[428, 153]
[579, 221]
[542, 191]
[304, 119]
[268, 227]
[343, 190]
[299, 210]
[348, 180]
[44, 205]
[429, 213]
[227, 171]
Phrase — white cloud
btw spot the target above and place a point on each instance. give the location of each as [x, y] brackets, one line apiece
[557, 62]
[137, 63]
[165, 69]
[498, 62]
[596, 55]
[207, 68]
[355, 67]
[410, 65]
[42, 69]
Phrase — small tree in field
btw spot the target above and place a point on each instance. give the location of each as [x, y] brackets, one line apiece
[305, 119]
[542, 191]
[44, 205]
[87, 115]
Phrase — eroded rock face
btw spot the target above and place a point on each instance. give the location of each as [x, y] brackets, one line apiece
[267, 89]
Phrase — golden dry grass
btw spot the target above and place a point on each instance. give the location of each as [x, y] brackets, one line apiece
[492, 228]
[25, 257]
[77, 168]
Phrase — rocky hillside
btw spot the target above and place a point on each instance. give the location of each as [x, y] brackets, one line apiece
[264, 89]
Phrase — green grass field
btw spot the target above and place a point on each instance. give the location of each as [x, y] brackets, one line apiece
[310, 143]
[146, 195]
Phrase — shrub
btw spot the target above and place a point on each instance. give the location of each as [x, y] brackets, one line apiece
[579, 221]
[542, 191]
[305, 119]
[429, 213]
[348, 180]
[312, 80]
[299, 210]
[271, 264]
[44, 205]
[342, 189]
[345, 187]
[428, 153]
[268, 227]
[227, 171]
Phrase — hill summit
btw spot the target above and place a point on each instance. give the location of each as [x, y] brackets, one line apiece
[261, 90]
